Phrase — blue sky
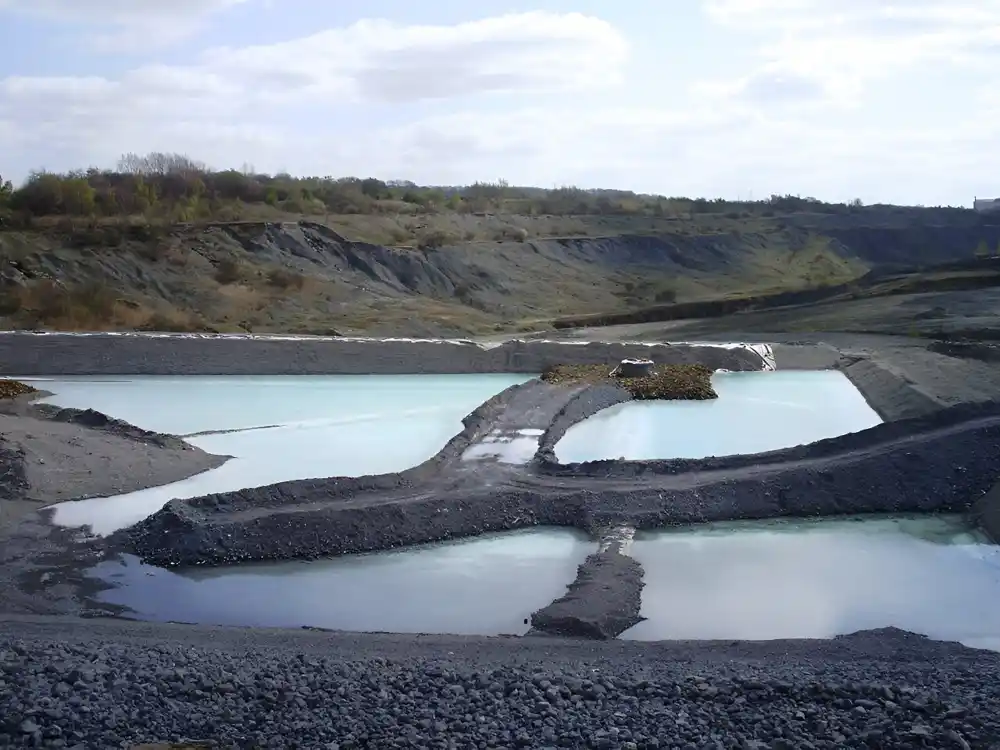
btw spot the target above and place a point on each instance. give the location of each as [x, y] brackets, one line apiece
[879, 100]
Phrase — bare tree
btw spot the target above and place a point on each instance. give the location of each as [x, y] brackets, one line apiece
[158, 163]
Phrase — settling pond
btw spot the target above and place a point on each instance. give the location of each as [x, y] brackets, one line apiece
[755, 412]
[770, 580]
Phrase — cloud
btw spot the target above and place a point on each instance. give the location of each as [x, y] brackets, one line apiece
[127, 24]
[380, 60]
[844, 46]
[321, 77]
[549, 99]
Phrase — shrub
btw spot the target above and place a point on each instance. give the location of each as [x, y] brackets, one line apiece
[284, 279]
[434, 239]
[227, 272]
[670, 382]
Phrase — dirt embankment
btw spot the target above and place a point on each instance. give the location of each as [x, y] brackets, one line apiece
[151, 354]
[978, 350]
[50, 454]
[940, 462]
[886, 287]
[943, 462]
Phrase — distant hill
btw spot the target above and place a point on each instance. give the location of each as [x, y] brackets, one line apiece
[164, 243]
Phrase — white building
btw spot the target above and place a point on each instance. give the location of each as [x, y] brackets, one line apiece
[986, 204]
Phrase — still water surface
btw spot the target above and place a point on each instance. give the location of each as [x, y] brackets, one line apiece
[755, 412]
[292, 427]
[481, 586]
[816, 579]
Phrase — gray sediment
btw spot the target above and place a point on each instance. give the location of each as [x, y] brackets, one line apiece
[985, 513]
[583, 405]
[940, 462]
[888, 392]
[205, 354]
[926, 459]
[604, 599]
[601, 603]
[76, 683]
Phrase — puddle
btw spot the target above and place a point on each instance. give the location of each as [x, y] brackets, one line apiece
[482, 586]
[507, 448]
[755, 412]
[817, 579]
[325, 426]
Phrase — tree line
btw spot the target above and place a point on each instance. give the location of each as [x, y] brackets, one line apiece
[176, 188]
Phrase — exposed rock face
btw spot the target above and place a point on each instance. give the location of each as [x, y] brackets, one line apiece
[633, 368]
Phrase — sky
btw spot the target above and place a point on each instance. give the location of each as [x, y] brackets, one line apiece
[882, 100]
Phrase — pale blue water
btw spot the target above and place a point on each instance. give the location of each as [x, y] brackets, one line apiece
[755, 412]
[482, 586]
[324, 426]
[190, 404]
[817, 579]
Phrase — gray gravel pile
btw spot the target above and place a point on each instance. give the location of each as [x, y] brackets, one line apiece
[104, 694]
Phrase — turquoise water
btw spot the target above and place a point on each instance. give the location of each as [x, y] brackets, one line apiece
[482, 586]
[755, 412]
[817, 579]
[293, 427]
[191, 404]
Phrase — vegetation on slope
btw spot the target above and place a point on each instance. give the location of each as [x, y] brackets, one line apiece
[14, 388]
[666, 382]
[162, 242]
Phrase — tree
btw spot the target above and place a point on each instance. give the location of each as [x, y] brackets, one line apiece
[6, 191]
[982, 249]
[374, 188]
[78, 197]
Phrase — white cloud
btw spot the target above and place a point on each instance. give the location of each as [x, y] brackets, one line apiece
[548, 99]
[322, 75]
[128, 24]
[380, 60]
[839, 47]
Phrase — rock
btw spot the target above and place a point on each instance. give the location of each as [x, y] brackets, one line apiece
[633, 368]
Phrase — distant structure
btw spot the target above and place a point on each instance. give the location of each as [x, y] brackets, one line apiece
[986, 204]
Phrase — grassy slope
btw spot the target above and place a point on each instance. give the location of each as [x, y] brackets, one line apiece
[226, 277]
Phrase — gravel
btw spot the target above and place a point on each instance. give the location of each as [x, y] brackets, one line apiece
[124, 683]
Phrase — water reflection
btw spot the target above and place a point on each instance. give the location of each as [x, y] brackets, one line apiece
[482, 586]
[755, 412]
[818, 579]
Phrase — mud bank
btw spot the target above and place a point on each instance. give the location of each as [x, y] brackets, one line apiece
[50, 454]
[604, 599]
[203, 354]
[601, 603]
[979, 350]
[887, 390]
[985, 513]
[942, 462]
